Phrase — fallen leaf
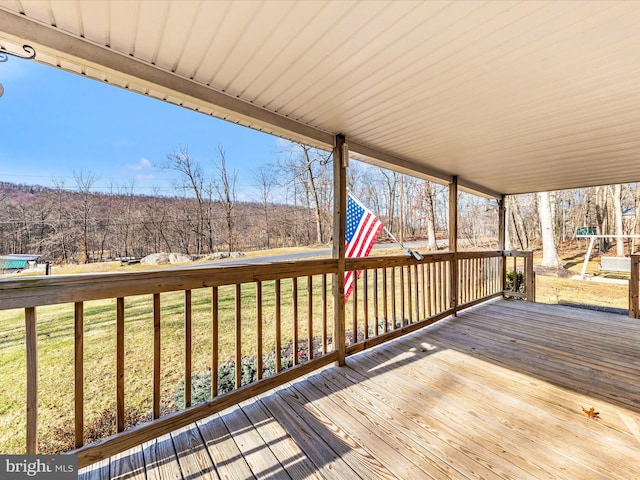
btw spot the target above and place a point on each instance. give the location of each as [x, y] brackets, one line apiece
[591, 413]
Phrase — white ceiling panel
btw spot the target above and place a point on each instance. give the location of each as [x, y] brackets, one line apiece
[509, 96]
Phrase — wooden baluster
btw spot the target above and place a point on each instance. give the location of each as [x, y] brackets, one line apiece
[278, 300]
[214, 341]
[393, 297]
[409, 295]
[416, 290]
[376, 310]
[259, 329]
[310, 317]
[430, 289]
[294, 283]
[479, 281]
[31, 341]
[354, 311]
[463, 282]
[365, 322]
[78, 315]
[120, 420]
[386, 300]
[238, 317]
[324, 314]
[156, 355]
[188, 325]
[439, 287]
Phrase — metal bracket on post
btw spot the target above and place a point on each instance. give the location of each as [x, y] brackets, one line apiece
[31, 53]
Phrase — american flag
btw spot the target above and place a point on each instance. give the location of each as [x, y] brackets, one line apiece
[363, 228]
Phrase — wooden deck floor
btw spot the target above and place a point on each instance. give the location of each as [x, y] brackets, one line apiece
[495, 393]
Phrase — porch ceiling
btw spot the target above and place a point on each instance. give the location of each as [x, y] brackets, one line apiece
[512, 97]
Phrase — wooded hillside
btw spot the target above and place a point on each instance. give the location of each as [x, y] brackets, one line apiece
[292, 207]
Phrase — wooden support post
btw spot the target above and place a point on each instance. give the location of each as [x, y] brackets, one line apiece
[634, 310]
[340, 159]
[453, 242]
[529, 277]
[502, 240]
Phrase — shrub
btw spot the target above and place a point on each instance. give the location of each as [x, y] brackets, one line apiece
[519, 281]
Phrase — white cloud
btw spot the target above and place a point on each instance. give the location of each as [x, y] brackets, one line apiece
[141, 165]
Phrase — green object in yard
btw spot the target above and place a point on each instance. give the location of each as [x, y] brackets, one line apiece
[587, 231]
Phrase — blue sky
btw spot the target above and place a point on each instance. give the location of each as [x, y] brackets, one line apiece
[54, 123]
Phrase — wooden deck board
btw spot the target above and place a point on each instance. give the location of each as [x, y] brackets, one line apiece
[160, 459]
[224, 452]
[495, 393]
[258, 454]
[288, 453]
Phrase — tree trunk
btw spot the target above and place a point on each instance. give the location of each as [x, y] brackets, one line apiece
[601, 216]
[431, 216]
[549, 251]
[518, 223]
[616, 193]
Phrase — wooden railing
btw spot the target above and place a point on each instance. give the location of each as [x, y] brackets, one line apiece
[280, 313]
[519, 277]
[396, 295]
[479, 277]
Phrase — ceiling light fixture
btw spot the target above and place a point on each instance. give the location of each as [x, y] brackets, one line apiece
[4, 56]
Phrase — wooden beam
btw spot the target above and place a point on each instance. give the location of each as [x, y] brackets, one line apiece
[340, 159]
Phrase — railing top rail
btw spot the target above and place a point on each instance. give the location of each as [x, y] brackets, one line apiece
[395, 261]
[36, 291]
[517, 253]
[479, 254]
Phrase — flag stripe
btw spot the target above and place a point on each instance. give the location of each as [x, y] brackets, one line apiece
[362, 231]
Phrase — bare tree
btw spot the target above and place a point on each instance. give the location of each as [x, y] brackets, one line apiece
[308, 168]
[266, 178]
[84, 184]
[549, 251]
[430, 200]
[194, 180]
[390, 180]
[225, 187]
[616, 194]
